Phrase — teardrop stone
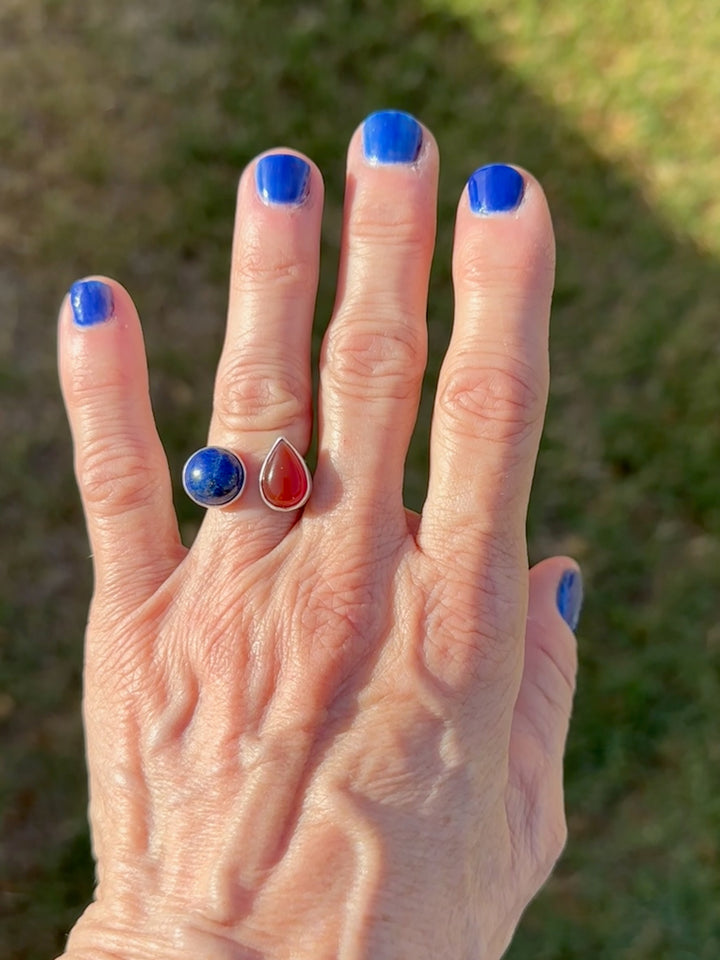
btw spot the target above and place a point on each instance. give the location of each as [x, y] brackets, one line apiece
[284, 480]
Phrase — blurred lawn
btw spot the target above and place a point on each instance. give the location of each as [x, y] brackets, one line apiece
[122, 131]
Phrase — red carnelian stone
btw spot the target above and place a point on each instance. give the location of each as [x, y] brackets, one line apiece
[284, 482]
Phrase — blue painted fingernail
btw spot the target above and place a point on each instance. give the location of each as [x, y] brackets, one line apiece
[282, 178]
[391, 136]
[496, 188]
[91, 302]
[570, 597]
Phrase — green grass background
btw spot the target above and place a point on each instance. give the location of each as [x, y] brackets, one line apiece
[123, 128]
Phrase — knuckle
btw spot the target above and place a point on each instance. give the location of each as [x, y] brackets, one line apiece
[119, 669]
[248, 399]
[375, 361]
[539, 820]
[389, 222]
[255, 266]
[91, 393]
[484, 266]
[478, 267]
[338, 614]
[556, 835]
[115, 476]
[494, 399]
[473, 636]
[330, 623]
[213, 652]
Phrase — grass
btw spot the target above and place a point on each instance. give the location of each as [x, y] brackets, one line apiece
[120, 145]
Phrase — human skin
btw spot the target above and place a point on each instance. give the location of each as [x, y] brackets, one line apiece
[335, 734]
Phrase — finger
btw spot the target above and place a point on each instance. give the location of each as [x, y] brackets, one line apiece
[544, 702]
[120, 464]
[375, 349]
[534, 799]
[492, 388]
[263, 386]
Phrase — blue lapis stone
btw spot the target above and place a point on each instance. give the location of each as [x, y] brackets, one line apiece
[213, 477]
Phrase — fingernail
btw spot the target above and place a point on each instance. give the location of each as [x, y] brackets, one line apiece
[91, 302]
[391, 136]
[496, 188]
[282, 178]
[570, 597]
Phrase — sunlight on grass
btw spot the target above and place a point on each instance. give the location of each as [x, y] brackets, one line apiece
[639, 80]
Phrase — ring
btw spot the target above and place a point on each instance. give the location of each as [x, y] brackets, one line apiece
[213, 477]
[285, 481]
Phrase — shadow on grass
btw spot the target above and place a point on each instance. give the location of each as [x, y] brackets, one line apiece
[628, 474]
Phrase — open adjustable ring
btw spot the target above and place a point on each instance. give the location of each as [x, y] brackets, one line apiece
[214, 477]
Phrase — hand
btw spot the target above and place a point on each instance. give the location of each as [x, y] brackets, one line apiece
[334, 733]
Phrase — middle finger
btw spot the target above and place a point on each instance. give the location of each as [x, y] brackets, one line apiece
[375, 349]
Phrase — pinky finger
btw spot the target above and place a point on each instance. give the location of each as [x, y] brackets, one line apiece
[120, 464]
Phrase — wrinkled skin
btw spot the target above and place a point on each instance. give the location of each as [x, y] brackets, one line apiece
[337, 734]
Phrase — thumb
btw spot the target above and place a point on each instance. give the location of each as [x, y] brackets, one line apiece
[542, 710]
[544, 702]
